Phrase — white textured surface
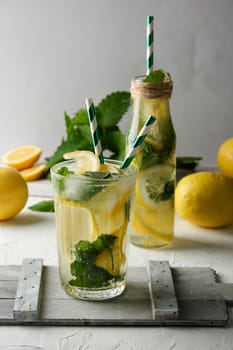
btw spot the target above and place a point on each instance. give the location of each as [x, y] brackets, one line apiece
[33, 235]
[54, 54]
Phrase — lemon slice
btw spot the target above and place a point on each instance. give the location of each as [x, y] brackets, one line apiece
[158, 224]
[75, 222]
[107, 168]
[33, 173]
[22, 157]
[155, 184]
[85, 161]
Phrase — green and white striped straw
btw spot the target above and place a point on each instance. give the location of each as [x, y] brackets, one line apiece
[149, 45]
[94, 129]
[137, 142]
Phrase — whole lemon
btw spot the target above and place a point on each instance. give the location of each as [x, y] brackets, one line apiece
[225, 157]
[13, 193]
[205, 199]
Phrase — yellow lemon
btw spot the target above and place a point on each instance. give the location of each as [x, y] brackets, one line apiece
[225, 157]
[205, 199]
[22, 157]
[13, 193]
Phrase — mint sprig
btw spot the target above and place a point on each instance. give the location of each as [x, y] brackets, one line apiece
[78, 137]
[156, 76]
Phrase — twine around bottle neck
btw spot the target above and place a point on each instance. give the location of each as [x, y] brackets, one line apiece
[140, 89]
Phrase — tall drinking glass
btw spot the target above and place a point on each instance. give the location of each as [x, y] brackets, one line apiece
[92, 213]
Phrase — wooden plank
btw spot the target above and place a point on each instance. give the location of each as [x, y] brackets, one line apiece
[27, 300]
[87, 311]
[8, 290]
[6, 307]
[208, 312]
[198, 275]
[9, 273]
[212, 291]
[163, 295]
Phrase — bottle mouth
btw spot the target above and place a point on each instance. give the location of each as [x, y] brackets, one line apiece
[141, 78]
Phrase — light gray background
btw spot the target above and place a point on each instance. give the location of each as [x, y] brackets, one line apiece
[55, 53]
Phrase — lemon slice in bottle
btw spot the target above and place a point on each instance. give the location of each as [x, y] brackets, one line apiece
[85, 161]
[155, 184]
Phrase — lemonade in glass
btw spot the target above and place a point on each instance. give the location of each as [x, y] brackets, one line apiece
[92, 213]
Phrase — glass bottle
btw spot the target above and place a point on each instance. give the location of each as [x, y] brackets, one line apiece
[152, 220]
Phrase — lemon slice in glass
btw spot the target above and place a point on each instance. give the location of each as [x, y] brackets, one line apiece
[155, 184]
[76, 221]
[108, 168]
[85, 161]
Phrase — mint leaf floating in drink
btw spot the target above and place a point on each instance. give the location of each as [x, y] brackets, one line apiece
[86, 273]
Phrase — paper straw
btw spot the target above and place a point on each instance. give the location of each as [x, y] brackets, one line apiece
[94, 129]
[149, 45]
[137, 142]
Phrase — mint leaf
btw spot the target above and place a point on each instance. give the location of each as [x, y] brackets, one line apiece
[80, 118]
[101, 175]
[116, 141]
[111, 109]
[187, 162]
[43, 206]
[64, 171]
[157, 76]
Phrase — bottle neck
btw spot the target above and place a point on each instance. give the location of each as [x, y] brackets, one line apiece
[145, 90]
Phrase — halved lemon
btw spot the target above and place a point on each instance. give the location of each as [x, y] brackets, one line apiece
[85, 161]
[22, 157]
[154, 184]
[33, 173]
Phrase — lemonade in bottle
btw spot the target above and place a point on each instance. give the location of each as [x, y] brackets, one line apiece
[152, 215]
[92, 213]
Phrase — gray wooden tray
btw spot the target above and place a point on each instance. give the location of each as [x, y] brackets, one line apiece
[159, 295]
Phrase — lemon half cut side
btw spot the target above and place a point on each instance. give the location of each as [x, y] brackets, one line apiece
[22, 157]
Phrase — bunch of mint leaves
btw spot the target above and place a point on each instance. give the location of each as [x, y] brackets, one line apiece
[109, 112]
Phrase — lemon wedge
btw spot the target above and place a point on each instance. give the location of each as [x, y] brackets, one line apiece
[85, 161]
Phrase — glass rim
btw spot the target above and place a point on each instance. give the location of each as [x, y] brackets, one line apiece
[128, 172]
